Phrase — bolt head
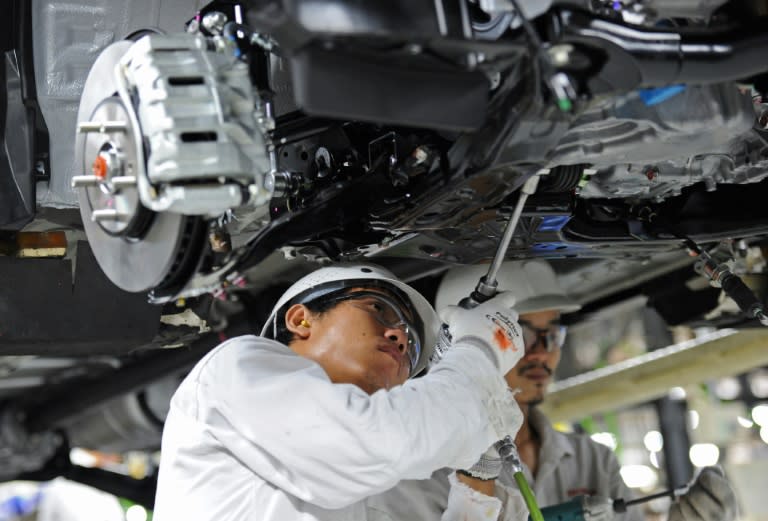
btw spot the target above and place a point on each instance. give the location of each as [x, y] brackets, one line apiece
[763, 120]
[560, 55]
[214, 21]
[414, 49]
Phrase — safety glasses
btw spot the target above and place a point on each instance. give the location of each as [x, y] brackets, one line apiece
[552, 337]
[389, 314]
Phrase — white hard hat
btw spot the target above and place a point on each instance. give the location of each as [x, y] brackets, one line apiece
[532, 281]
[327, 280]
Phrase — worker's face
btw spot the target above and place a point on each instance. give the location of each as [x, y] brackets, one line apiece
[534, 371]
[351, 344]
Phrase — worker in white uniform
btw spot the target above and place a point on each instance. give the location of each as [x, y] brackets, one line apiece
[308, 420]
[558, 466]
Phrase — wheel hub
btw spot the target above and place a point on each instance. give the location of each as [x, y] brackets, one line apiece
[111, 188]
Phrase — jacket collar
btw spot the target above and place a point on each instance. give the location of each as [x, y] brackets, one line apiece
[555, 445]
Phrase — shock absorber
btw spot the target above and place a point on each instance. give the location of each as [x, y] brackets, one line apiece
[721, 276]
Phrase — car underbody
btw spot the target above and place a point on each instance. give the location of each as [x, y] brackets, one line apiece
[169, 167]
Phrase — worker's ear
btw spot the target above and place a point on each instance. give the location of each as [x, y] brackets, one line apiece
[298, 321]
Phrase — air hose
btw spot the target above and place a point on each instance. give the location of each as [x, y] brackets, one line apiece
[508, 452]
[528, 497]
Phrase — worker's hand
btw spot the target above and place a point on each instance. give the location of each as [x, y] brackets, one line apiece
[710, 498]
[492, 326]
[488, 466]
[466, 501]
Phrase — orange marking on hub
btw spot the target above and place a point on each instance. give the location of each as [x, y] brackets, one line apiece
[502, 340]
[99, 167]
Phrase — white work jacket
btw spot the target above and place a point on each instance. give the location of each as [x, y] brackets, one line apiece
[257, 433]
[569, 465]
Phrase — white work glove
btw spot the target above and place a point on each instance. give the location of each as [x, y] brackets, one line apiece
[710, 498]
[492, 326]
[488, 466]
[465, 503]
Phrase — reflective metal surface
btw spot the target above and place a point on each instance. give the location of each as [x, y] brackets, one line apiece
[132, 264]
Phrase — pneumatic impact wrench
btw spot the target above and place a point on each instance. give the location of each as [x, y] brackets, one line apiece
[485, 290]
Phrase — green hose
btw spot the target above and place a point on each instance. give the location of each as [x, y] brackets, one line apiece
[530, 499]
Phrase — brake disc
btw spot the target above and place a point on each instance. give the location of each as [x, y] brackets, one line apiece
[136, 248]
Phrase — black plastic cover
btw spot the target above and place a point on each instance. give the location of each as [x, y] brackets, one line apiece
[388, 91]
[46, 308]
[24, 156]
[17, 188]
[294, 23]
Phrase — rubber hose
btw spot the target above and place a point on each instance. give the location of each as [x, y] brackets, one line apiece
[735, 288]
[528, 497]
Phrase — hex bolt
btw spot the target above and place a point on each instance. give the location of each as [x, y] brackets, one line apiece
[214, 22]
[414, 49]
[560, 55]
[763, 120]
[40, 169]
[220, 241]
[274, 183]
[323, 162]
[420, 155]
